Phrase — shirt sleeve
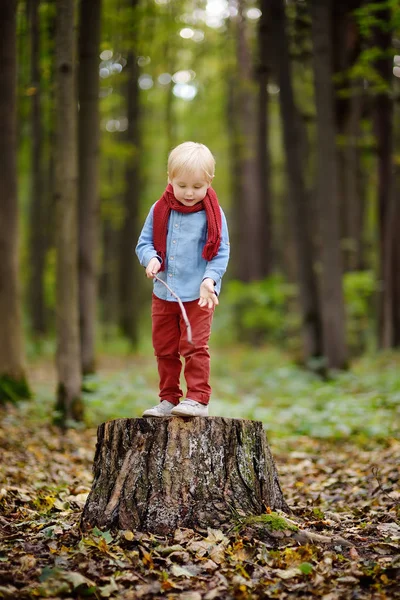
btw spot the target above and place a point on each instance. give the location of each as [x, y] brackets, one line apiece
[145, 250]
[217, 266]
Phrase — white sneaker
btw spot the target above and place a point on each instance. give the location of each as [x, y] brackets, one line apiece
[190, 408]
[161, 410]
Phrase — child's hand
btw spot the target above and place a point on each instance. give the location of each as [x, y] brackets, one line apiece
[208, 298]
[153, 267]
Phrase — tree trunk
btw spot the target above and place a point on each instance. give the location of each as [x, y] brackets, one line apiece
[354, 191]
[299, 208]
[128, 315]
[234, 168]
[69, 404]
[392, 268]
[332, 302]
[247, 197]
[13, 384]
[109, 279]
[157, 475]
[37, 220]
[348, 109]
[88, 194]
[49, 122]
[395, 265]
[264, 162]
[387, 201]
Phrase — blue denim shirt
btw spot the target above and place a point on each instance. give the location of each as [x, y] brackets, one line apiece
[185, 267]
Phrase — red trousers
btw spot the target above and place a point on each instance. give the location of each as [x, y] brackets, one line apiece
[170, 343]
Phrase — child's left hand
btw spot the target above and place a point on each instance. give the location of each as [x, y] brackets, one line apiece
[208, 297]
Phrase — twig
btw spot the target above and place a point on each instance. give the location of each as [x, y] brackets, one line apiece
[380, 487]
[184, 314]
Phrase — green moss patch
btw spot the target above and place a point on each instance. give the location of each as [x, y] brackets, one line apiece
[273, 521]
[12, 390]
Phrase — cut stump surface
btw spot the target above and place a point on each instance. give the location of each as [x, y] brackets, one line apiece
[158, 474]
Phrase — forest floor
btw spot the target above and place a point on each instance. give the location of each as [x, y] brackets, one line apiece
[338, 459]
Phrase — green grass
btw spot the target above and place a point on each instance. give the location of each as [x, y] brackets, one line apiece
[261, 384]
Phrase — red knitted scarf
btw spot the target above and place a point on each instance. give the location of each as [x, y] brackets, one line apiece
[168, 202]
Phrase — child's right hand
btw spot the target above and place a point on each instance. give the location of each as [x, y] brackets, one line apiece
[153, 267]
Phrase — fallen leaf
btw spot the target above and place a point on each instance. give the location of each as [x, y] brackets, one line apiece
[188, 571]
[148, 589]
[287, 573]
[107, 590]
[215, 536]
[354, 554]
[391, 530]
[190, 596]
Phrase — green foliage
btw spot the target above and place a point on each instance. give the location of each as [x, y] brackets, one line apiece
[266, 312]
[364, 69]
[260, 311]
[373, 15]
[12, 390]
[359, 290]
[265, 385]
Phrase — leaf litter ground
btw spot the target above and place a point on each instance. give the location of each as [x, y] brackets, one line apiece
[343, 490]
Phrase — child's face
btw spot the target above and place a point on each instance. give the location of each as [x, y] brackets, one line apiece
[190, 188]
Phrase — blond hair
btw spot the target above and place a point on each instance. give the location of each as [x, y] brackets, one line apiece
[191, 157]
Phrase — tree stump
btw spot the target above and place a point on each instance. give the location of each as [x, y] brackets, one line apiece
[158, 474]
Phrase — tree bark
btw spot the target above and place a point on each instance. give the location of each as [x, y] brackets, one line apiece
[247, 197]
[354, 190]
[264, 160]
[38, 231]
[388, 210]
[157, 475]
[88, 193]
[332, 302]
[128, 291]
[69, 404]
[346, 43]
[13, 384]
[299, 207]
[108, 280]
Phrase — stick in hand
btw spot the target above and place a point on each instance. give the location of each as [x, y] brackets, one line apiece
[184, 314]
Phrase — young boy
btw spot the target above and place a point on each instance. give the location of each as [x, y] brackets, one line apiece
[185, 242]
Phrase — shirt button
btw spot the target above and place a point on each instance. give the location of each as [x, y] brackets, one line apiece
[170, 275]
[171, 258]
[174, 241]
[176, 225]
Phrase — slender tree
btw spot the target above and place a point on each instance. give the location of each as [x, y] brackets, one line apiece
[108, 279]
[387, 202]
[13, 384]
[299, 208]
[264, 170]
[88, 193]
[396, 244]
[37, 220]
[129, 233]
[332, 302]
[349, 104]
[247, 197]
[69, 404]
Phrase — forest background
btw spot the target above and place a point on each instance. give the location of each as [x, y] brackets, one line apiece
[298, 102]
